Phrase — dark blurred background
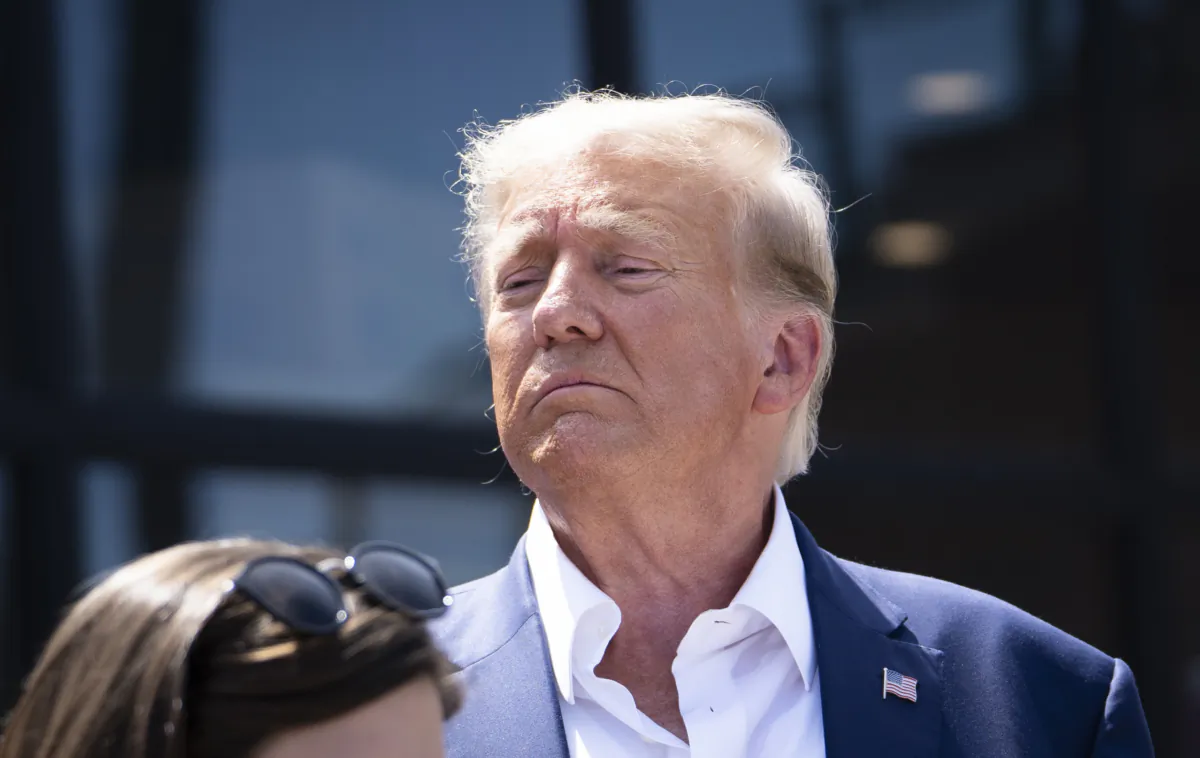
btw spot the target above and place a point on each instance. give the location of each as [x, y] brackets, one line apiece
[228, 303]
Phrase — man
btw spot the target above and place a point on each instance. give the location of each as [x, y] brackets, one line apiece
[657, 286]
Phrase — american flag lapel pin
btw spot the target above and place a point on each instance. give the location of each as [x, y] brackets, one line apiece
[898, 684]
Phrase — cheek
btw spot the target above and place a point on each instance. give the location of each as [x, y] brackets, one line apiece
[507, 352]
[702, 349]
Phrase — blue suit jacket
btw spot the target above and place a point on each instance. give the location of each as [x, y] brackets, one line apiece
[992, 680]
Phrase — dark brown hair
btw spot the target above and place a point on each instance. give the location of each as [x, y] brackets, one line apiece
[162, 660]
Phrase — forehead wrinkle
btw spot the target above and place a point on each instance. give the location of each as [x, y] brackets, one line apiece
[639, 226]
[643, 225]
[647, 209]
[516, 234]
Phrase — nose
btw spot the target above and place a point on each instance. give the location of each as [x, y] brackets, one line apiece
[565, 311]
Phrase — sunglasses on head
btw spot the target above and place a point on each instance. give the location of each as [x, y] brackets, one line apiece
[308, 599]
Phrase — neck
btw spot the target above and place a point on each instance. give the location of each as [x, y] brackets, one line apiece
[665, 551]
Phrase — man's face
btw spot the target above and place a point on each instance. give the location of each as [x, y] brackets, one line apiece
[622, 288]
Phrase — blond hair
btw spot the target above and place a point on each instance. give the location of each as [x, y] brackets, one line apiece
[774, 208]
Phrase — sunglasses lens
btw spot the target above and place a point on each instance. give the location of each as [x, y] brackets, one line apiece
[296, 594]
[402, 581]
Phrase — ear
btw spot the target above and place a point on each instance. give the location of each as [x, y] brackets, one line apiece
[793, 366]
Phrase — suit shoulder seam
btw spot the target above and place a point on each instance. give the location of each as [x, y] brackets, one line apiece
[501, 646]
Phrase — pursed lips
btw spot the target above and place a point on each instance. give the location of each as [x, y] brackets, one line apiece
[553, 383]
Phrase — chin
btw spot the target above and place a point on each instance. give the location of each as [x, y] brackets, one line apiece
[577, 447]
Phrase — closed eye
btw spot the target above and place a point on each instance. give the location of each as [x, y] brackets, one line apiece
[519, 280]
[517, 284]
[629, 270]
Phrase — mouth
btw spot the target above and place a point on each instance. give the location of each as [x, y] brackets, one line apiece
[558, 382]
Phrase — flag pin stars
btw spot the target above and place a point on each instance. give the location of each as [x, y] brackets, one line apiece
[904, 687]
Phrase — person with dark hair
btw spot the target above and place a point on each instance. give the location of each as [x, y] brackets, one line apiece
[244, 649]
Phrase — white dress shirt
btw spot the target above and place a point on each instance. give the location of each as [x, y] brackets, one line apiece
[746, 674]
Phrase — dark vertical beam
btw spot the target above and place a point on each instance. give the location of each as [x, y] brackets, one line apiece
[1033, 50]
[610, 37]
[827, 39]
[1132, 445]
[39, 311]
[148, 233]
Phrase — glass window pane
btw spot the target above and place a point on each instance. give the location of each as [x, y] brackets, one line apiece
[110, 534]
[943, 338]
[261, 505]
[737, 46]
[322, 268]
[771, 48]
[318, 265]
[471, 530]
[911, 72]
[91, 38]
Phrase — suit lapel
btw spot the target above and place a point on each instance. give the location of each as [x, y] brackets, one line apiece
[519, 713]
[511, 704]
[858, 634]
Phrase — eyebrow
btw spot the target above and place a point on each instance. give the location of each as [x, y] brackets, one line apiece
[641, 226]
[635, 225]
[515, 236]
